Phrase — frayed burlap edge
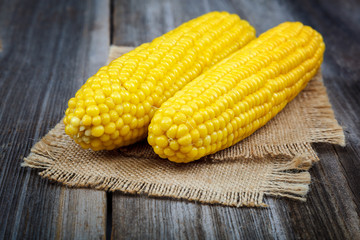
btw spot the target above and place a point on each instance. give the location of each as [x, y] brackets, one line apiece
[286, 178]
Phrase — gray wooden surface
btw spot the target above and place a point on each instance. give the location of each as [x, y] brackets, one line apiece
[49, 48]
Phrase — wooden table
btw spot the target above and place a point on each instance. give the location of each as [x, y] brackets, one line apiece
[49, 48]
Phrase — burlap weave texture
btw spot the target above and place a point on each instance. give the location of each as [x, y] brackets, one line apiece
[272, 161]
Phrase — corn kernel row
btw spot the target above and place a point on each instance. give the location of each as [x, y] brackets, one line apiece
[238, 95]
[114, 107]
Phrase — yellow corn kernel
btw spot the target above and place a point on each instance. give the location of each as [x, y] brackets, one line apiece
[239, 95]
[134, 86]
[75, 121]
[86, 121]
[97, 131]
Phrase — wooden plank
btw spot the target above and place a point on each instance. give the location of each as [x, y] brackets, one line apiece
[341, 74]
[332, 210]
[82, 214]
[154, 218]
[48, 51]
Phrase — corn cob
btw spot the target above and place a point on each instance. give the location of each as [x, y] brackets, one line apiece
[115, 106]
[238, 95]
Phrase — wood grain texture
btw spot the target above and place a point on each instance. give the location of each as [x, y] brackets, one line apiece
[341, 76]
[48, 51]
[332, 209]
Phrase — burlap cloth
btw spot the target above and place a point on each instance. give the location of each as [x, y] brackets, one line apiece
[273, 161]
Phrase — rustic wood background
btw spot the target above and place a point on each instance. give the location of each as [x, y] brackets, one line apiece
[48, 49]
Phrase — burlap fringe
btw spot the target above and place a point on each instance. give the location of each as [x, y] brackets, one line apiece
[288, 178]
